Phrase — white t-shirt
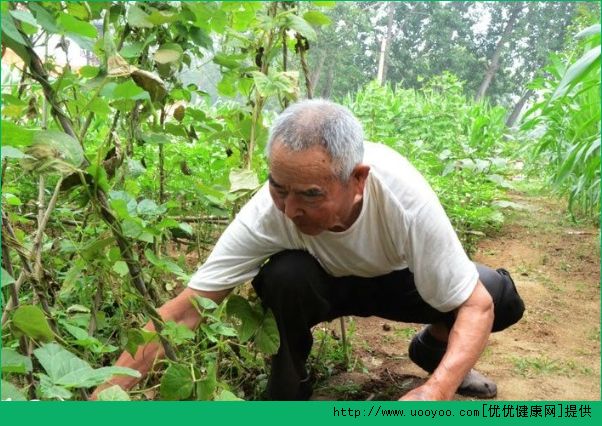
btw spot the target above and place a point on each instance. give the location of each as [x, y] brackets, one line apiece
[401, 225]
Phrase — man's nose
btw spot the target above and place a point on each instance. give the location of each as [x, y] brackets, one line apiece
[291, 207]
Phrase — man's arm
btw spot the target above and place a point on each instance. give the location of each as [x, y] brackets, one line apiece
[467, 339]
[179, 309]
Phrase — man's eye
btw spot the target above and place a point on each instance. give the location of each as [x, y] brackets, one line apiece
[312, 194]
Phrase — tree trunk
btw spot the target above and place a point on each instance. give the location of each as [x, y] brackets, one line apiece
[383, 62]
[518, 108]
[494, 64]
[327, 88]
[317, 72]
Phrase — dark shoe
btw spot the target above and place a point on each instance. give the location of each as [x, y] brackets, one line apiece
[478, 386]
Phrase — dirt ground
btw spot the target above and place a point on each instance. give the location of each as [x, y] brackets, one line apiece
[553, 353]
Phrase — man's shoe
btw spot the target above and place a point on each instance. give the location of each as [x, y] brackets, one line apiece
[477, 385]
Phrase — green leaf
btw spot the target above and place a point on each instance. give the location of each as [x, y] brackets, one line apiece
[205, 303]
[130, 90]
[268, 337]
[200, 38]
[228, 61]
[206, 387]
[24, 16]
[31, 321]
[589, 31]
[316, 18]
[177, 383]
[88, 71]
[226, 395]
[155, 138]
[11, 199]
[14, 362]
[101, 179]
[56, 150]
[243, 180]
[100, 107]
[18, 136]
[66, 369]
[301, 26]
[159, 17]
[186, 228]
[131, 50]
[121, 268]
[76, 26]
[170, 52]
[148, 207]
[10, 392]
[138, 337]
[43, 17]
[576, 72]
[114, 393]
[250, 320]
[136, 17]
[49, 390]
[6, 278]
[285, 82]
[327, 4]
[96, 247]
[177, 333]
[10, 30]
[223, 329]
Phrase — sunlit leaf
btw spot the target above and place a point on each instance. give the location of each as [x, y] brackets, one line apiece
[169, 52]
[589, 62]
[9, 30]
[14, 362]
[114, 393]
[32, 321]
[10, 392]
[301, 26]
[226, 395]
[13, 135]
[316, 18]
[66, 369]
[136, 17]
[43, 17]
[243, 180]
[73, 25]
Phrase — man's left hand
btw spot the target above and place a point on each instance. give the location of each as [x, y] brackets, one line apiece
[423, 393]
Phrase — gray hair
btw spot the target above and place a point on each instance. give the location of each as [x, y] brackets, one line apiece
[323, 123]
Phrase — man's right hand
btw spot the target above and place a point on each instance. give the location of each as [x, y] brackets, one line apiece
[181, 310]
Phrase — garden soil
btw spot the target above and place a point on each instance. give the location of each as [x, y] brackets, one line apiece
[553, 353]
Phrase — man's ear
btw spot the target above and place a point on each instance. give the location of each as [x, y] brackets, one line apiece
[359, 176]
[360, 173]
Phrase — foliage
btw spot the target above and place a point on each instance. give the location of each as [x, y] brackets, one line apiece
[118, 175]
[562, 130]
[142, 161]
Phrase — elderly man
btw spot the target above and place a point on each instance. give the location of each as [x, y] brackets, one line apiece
[349, 227]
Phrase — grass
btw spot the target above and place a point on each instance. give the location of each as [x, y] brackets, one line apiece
[543, 365]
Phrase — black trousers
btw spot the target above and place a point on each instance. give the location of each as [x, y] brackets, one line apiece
[301, 294]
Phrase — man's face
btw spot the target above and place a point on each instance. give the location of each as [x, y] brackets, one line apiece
[305, 188]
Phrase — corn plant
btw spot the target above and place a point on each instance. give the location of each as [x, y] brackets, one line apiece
[563, 129]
